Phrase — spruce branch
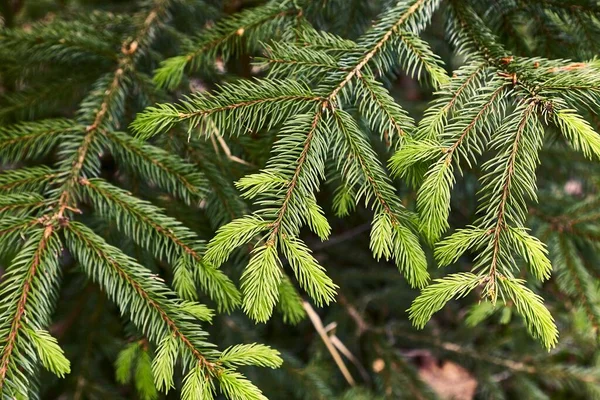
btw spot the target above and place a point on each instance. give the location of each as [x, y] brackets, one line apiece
[229, 36]
[159, 167]
[435, 296]
[296, 193]
[575, 279]
[540, 322]
[318, 108]
[402, 242]
[135, 363]
[33, 179]
[236, 108]
[508, 180]
[20, 204]
[384, 114]
[297, 175]
[60, 41]
[137, 284]
[166, 321]
[32, 276]
[302, 62]
[33, 139]
[163, 236]
[102, 119]
[412, 17]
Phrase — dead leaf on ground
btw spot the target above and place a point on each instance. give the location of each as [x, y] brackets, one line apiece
[448, 380]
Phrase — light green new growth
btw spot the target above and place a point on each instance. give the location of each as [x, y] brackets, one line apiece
[313, 120]
[216, 196]
[504, 116]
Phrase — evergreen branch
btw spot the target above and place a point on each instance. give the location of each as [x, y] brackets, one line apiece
[531, 250]
[250, 354]
[382, 34]
[42, 99]
[578, 131]
[60, 42]
[433, 201]
[103, 107]
[311, 276]
[372, 169]
[383, 113]
[121, 277]
[293, 182]
[225, 37]
[260, 282]
[34, 269]
[134, 362]
[303, 62]
[11, 224]
[538, 319]
[435, 296]
[12, 232]
[159, 167]
[262, 278]
[325, 41]
[578, 7]
[152, 19]
[32, 139]
[412, 160]
[131, 213]
[33, 179]
[470, 34]
[232, 235]
[449, 250]
[509, 178]
[20, 204]
[50, 353]
[396, 237]
[266, 258]
[431, 128]
[111, 95]
[235, 386]
[247, 104]
[502, 203]
[457, 93]
[132, 287]
[196, 386]
[575, 280]
[236, 108]
[73, 170]
[484, 110]
[42, 256]
[163, 236]
[150, 297]
[290, 202]
[423, 58]
[576, 77]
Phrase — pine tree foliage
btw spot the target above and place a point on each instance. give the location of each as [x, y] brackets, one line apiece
[217, 148]
[31, 283]
[299, 156]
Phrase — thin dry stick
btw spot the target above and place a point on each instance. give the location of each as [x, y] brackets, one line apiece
[330, 330]
[223, 145]
[227, 151]
[318, 324]
[346, 352]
